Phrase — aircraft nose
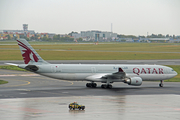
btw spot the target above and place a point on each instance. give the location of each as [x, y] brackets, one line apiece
[175, 73]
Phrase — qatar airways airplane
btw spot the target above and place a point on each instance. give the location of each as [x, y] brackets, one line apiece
[104, 73]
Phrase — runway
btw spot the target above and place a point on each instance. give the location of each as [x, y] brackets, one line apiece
[30, 96]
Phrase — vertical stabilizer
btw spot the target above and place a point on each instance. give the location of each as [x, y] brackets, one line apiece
[29, 55]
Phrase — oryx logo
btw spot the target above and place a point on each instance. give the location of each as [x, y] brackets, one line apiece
[27, 54]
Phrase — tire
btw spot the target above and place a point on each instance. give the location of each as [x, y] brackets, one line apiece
[160, 85]
[103, 86]
[94, 85]
[109, 86]
[79, 108]
[70, 108]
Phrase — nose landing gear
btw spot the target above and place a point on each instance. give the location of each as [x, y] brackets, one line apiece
[161, 84]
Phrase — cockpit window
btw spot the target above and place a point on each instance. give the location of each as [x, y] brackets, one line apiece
[172, 70]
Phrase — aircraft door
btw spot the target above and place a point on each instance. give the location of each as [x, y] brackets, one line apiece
[93, 69]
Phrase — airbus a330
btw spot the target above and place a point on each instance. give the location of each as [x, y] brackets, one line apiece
[104, 73]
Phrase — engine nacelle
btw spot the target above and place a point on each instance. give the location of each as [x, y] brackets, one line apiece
[136, 81]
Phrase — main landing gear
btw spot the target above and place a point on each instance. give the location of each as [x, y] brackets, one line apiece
[106, 86]
[161, 84]
[92, 85]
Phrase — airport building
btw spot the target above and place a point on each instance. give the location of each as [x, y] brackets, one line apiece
[149, 40]
[98, 35]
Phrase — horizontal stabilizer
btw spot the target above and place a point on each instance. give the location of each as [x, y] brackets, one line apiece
[12, 64]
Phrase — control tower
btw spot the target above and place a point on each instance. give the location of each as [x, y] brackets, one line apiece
[25, 27]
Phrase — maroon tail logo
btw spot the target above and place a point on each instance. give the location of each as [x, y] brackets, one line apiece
[28, 53]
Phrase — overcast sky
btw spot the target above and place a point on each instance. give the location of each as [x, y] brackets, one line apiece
[129, 17]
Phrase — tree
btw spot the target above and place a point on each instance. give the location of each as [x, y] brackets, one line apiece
[70, 34]
[32, 38]
[126, 36]
[56, 37]
[9, 37]
[167, 36]
[142, 36]
[174, 36]
[79, 39]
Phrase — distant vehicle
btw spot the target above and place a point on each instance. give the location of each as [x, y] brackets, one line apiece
[130, 74]
[75, 105]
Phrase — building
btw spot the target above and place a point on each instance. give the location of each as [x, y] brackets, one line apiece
[18, 31]
[155, 39]
[76, 35]
[95, 35]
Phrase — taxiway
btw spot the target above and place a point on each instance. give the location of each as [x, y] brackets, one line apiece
[31, 96]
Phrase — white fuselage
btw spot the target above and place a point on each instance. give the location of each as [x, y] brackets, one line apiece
[81, 72]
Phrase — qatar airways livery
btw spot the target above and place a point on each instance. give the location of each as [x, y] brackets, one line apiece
[104, 73]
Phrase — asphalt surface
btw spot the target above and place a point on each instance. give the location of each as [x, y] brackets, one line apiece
[31, 96]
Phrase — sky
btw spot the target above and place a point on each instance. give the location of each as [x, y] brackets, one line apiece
[129, 17]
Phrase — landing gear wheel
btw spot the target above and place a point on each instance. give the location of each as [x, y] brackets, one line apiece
[161, 84]
[88, 85]
[94, 85]
[106, 86]
[103, 86]
[109, 86]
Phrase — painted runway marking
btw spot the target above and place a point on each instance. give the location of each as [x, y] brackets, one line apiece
[22, 93]
[27, 83]
[11, 75]
[65, 92]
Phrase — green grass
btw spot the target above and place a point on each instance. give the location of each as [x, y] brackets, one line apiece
[176, 78]
[103, 51]
[9, 67]
[3, 82]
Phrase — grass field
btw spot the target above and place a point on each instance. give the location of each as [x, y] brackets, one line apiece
[3, 82]
[90, 51]
[176, 78]
[102, 51]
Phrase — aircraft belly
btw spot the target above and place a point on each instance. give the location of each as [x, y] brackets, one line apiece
[153, 77]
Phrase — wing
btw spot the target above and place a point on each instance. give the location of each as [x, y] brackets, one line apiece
[103, 77]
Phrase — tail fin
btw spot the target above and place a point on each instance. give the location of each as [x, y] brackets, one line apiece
[29, 55]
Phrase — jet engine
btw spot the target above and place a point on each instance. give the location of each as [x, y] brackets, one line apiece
[136, 81]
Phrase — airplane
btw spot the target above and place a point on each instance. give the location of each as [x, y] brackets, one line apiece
[104, 73]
